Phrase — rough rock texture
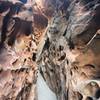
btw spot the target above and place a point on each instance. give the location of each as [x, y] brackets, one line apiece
[69, 59]
[58, 38]
[17, 49]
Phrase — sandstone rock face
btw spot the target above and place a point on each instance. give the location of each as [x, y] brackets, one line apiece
[49, 49]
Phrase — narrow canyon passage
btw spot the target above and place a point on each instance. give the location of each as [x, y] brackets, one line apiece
[49, 49]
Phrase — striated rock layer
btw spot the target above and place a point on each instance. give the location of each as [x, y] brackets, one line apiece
[49, 46]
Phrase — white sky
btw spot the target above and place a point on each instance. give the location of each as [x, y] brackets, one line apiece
[44, 92]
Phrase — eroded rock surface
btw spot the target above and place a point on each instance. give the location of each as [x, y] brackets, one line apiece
[60, 39]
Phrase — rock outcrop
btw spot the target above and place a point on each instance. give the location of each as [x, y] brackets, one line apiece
[52, 45]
